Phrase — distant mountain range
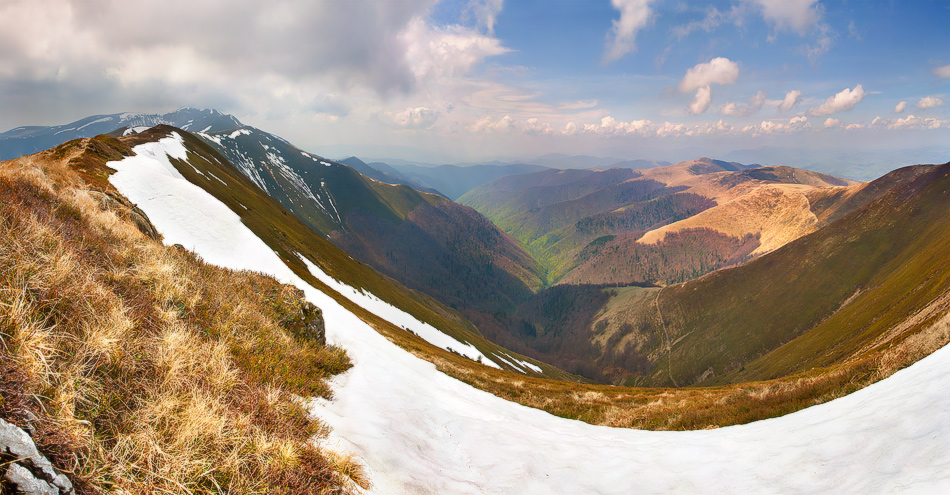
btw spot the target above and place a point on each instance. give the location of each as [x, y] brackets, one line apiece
[31, 139]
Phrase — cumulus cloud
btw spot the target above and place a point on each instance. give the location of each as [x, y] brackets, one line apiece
[634, 16]
[701, 101]
[846, 99]
[792, 98]
[899, 108]
[928, 102]
[416, 118]
[719, 70]
[487, 124]
[738, 110]
[831, 122]
[909, 122]
[914, 122]
[239, 55]
[942, 71]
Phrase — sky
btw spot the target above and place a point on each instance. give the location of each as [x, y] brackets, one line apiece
[470, 80]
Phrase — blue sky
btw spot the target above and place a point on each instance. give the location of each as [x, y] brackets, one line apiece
[466, 80]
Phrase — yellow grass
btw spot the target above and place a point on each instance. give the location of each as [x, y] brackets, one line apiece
[135, 356]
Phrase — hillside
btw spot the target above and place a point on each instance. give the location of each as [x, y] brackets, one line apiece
[135, 366]
[582, 225]
[420, 431]
[426, 242]
[839, 295]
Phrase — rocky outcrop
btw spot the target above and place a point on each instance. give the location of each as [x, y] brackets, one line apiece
[109, 200]
[25, 470]
[303, 319]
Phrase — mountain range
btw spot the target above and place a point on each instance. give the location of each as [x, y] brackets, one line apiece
[826, 287]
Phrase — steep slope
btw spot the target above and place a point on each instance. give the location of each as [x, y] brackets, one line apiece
[846, 291]
[31, 139]
[118, 353]
[383, 173]
[423, 240]
[194, 161]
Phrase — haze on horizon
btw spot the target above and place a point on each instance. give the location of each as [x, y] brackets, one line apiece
[467, 80]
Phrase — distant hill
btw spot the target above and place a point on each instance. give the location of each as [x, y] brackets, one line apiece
[453, 180]
[605, 226]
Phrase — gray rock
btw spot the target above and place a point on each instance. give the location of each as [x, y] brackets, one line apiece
[24, 482]
[16, 443]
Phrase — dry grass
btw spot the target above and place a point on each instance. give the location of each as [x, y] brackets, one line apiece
[141, 368]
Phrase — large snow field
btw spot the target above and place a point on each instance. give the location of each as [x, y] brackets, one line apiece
[419, 431]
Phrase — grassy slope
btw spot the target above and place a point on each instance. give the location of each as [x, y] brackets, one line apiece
[423, 240]
[287, 235]
[139, 366]
[786, 312]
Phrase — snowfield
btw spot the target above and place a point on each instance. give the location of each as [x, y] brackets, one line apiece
[419, 431]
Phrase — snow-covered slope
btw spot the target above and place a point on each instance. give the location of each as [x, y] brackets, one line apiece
[420, 431]
[31, 139]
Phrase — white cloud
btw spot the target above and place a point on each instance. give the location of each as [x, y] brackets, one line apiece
[701, 101]
[942, 71]
[416, 118]
[486, 13]
[852, 127]
[928, 102]
[914, 122]
[634, 16]
[910, 122]
[846, 99]
[899, 108]
[737, 110]
[719, 70]
[830, 122]
[485, 124]
[798, 120]
[792, 98]
[435, 53]
[798, 15]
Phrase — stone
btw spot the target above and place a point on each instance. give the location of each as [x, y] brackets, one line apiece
[16, 443]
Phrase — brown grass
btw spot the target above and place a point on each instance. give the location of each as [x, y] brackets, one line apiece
[141, 368]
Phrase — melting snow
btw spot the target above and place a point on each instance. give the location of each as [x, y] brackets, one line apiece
[97, 121]
[420, 431]
[398, 317]
[239, 132]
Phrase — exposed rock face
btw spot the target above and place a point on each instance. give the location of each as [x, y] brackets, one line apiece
[303, 319]
[27, 471]
[111, 201]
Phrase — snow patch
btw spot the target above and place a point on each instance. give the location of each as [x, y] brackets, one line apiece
[239, 132]
[398, 317]
[97, 121]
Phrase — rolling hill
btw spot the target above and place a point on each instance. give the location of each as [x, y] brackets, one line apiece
[595, 226]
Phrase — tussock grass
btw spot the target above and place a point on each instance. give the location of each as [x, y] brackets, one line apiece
[140, 368]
